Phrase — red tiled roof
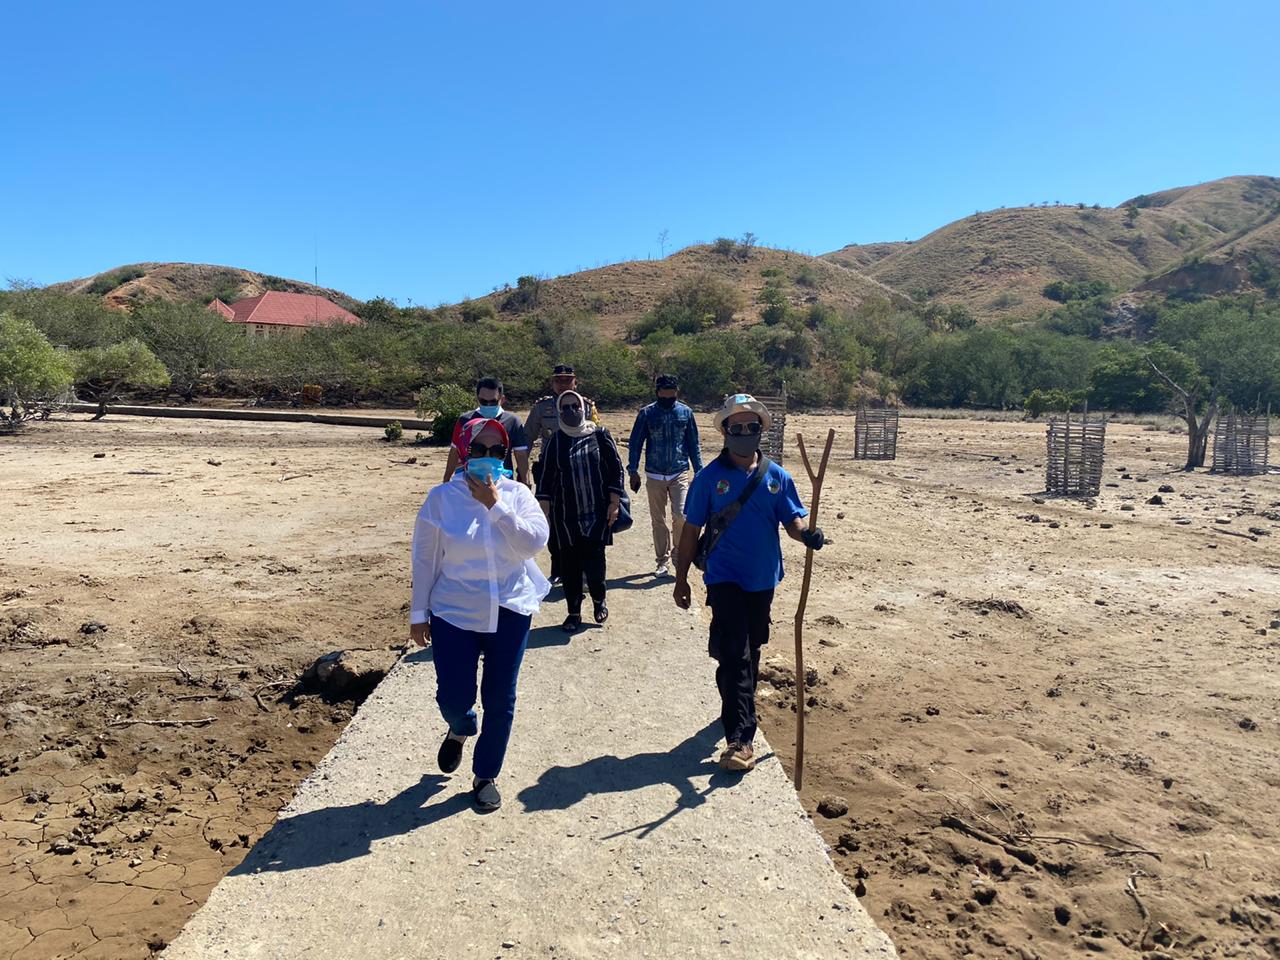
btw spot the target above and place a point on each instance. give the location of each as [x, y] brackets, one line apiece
[217, 306]
[287, 310]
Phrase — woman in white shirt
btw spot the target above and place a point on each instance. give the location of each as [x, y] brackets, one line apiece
[475, 590]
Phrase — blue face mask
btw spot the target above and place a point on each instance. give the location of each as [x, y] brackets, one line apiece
[490, 412]
[484, 469]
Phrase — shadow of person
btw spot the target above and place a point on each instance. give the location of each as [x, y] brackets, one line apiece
[339, 834]
[640, 581]
[561, 787]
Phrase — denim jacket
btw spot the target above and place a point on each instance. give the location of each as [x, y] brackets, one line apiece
[672, 441]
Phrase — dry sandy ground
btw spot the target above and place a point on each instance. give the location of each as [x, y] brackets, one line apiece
[1052, 679]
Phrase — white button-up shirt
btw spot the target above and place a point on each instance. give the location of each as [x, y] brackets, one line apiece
[468, 561]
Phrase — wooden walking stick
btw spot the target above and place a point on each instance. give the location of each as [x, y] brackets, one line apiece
[816, 480]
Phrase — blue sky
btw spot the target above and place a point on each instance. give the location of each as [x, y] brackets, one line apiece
[435, 150]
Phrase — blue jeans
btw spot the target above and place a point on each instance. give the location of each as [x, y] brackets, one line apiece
[457, 656]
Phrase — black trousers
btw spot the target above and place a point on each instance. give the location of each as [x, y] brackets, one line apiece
[739, 628]
[585, 557]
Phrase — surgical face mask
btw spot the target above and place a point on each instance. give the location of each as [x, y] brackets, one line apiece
[743, 446]
[572, 416]
[489, 411]
[484, 469]
[666, 403]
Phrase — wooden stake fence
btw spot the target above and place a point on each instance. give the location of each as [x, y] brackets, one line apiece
[1073, 462]
[875, 433]
[1241, 441]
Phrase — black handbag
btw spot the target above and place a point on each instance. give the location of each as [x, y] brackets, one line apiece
[625, 520]
[719, 521]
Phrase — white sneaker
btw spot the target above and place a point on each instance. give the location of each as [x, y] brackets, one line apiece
[662, 571]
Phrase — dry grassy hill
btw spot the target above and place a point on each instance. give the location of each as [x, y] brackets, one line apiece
[190, 281]
[621, 293]
[1211, 238]
[997, 263]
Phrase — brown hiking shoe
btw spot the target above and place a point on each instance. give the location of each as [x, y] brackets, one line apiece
[726, 753]
[739, 756]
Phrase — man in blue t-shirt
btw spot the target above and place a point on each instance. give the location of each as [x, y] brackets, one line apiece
[745, 564]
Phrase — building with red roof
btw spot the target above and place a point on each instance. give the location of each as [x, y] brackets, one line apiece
[277, 312]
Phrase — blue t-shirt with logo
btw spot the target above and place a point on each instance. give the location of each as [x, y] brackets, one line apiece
[750, 552]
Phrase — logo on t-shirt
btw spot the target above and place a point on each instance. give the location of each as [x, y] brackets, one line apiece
[773, 485]
[722, 487]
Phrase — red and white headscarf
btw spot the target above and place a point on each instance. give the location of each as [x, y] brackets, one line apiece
[470, 430]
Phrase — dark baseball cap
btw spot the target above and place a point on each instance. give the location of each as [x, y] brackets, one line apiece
[563, 370]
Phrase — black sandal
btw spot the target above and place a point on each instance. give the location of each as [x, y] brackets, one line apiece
[572, 623]
[601, 612]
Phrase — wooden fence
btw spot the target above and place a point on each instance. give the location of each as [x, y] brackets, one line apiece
[1241, 441]
[775, 440]
[875, 433]
[1073, 463]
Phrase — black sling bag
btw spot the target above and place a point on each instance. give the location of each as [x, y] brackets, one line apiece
[719, 521]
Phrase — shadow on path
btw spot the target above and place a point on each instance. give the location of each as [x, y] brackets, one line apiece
[338, 834]
[641, 581]
[561, 787]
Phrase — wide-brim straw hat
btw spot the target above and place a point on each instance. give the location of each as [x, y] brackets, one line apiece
[741, 403]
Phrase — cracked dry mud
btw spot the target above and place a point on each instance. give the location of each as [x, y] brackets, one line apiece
[151, 585]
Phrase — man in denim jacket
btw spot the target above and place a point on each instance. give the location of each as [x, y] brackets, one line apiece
[671, 434]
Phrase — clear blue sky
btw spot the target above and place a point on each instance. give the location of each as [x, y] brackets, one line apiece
[434, 152]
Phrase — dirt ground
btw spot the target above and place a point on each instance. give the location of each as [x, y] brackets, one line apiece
[1093, 690]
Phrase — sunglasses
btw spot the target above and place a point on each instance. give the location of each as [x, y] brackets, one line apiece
[745, 429]
[576, 407]
[497, 451]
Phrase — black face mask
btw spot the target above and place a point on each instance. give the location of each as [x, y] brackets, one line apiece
[572, 418]
[742, 446]
[666, 403]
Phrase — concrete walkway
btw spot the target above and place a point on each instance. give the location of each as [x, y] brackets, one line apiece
[618, 837]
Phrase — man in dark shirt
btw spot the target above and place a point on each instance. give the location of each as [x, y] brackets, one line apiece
[490, 397]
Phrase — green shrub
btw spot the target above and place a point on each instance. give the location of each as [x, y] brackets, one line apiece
[724, 246]
[474, 311]
[773, 299]
[443, 405]
[105, 372]
[31, 369]
[525, 296]
[393, 431]
[694, 305]
[191, 341]
[1064, 291]
[109, 281]
[807, 275]
[1039, 401]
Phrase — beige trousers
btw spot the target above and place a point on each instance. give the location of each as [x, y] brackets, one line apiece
[662, 492]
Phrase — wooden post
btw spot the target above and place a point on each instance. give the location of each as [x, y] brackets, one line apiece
[816, 480]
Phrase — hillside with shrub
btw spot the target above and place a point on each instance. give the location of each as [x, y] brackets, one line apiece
[620, 295]
[134, 283]
[1093, 320]
[1210, 238]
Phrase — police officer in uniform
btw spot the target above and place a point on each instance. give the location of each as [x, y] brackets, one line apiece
[544, 420]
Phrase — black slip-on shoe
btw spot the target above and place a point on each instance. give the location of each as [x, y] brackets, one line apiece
[485, 793]
[571, 623]
[450, 754]
[601, 612]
